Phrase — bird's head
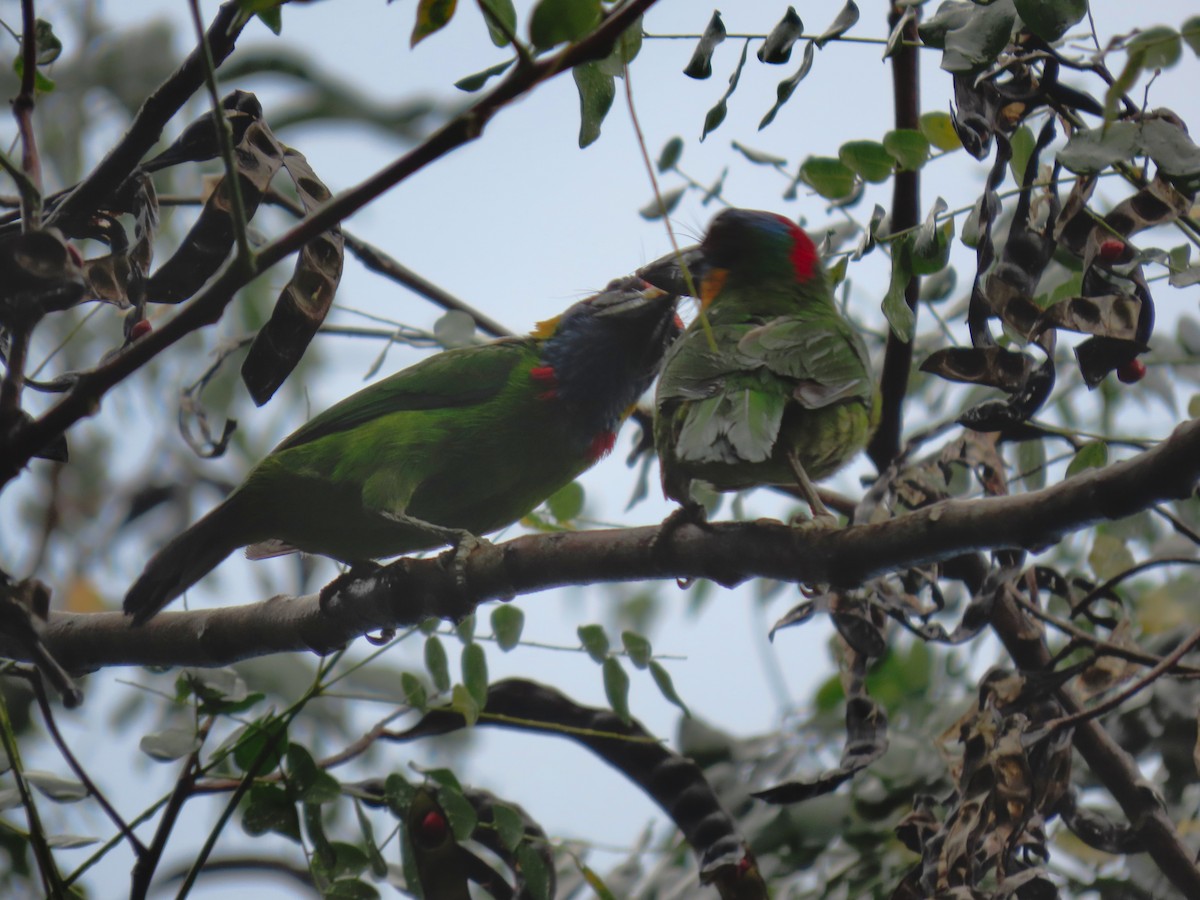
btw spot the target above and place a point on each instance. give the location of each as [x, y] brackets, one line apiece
[748, 245]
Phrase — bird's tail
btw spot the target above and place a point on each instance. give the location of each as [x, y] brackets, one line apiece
[185, 560]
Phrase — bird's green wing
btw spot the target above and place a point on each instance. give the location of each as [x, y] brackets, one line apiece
[456, 378]
[823, 356]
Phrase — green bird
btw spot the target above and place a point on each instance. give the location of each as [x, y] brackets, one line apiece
[781, 393]
[462, 443]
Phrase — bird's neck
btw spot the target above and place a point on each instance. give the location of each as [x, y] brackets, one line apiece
[767, 298]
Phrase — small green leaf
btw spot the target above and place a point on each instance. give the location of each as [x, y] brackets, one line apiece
[939, 285]
[566, 503]
[1109, 556]
[616, 688]
[700, 65]
[670, 199]
[262, 746]
[506, 13]
[895, 306]
[561, 21]
[829, 177]
[507, 623]
[777, 48]
[667, 687]
[867, 159]
[845, 20]
[1156, 48]
[1190, 32]
[671, 152]
[472, 83]
[432, 15]
[758, 157]
[837, 271]
[931, 246]
[534, 872]
[1092, 455]
[938, 129]
[1193, 407]
[716, 115]
[47, 46]
[437, 663]
[464, 629]
[55, 787]
[1022, 148]
[596, 92]
[1051, 19]
[475, 673]
[269, 808]
[414, 691]
[908, 147]
[787, 87]
[454, 328]
[463, 703]
[398, 793]
[638, 648]
[70, 841]
[594, 641]
[170, 744]
[1031, 463]
[510, 827]
[626, 49]
[459, 811]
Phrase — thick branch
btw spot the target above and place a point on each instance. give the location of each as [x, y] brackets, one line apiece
[207, 306]
[906, 213]
[411, 590]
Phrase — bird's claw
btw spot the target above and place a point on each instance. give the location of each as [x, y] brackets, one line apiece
[455, 559]
[821, 521]
[690, 513]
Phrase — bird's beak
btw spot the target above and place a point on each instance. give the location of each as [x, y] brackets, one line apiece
[668, 272]
[632, 302]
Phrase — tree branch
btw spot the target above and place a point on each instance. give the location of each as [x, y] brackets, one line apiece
[411, 590]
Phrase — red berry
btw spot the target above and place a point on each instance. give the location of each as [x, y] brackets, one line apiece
[433, 828]
[1132, 372]
[141, 328]
[1112, 249]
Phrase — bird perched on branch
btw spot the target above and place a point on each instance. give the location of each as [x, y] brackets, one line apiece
[460, 444]
[778, 389]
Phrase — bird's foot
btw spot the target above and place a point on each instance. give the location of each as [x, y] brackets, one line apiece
[358, 569]
[690, 513]
[455, 559]
[820, 521]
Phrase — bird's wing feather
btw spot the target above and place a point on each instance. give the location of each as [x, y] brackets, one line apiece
[812, 353]
[455, 378]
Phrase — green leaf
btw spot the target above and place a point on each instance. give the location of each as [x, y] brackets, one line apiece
[47, 46]
[1031, 463]
[272, 18]
[670, 200]
[1051, 19]
[908, 147]
[561, 21]
[638, 648]
[472, 83]
[895, 307]
[437, 663]
[616, 688]
[787, 87]
[464, 629]
[939, 285]
[671, 152]
[829, 177]
[1092, 455]
[938, 129]
[1190, 32]
[463, 702]
[507, 623]
[716, 115]
[475, 673]
[534, 872]
[432, 15]
[170, 744]
[931, 246]
[349, 889]
[1022, 148]
[454, 328]
[1156, 48]
[398, 793]
[1193, 407]
[981, 39]
[758, 157]
[867, 159]
[509, 825]
[667, 687]
[845, 20]
[270, 809]
[777, 48]
[837, 271]
[700, 65]
[459, 811]
[594, 641]
[1109, 556]
[506, 13]
[414, 691]
[262, 746]
[625, 50]
[596, 92]
[566, 503]
[55, 787]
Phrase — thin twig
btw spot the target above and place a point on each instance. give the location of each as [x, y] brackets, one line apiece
[51, 878]
[23, 104]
